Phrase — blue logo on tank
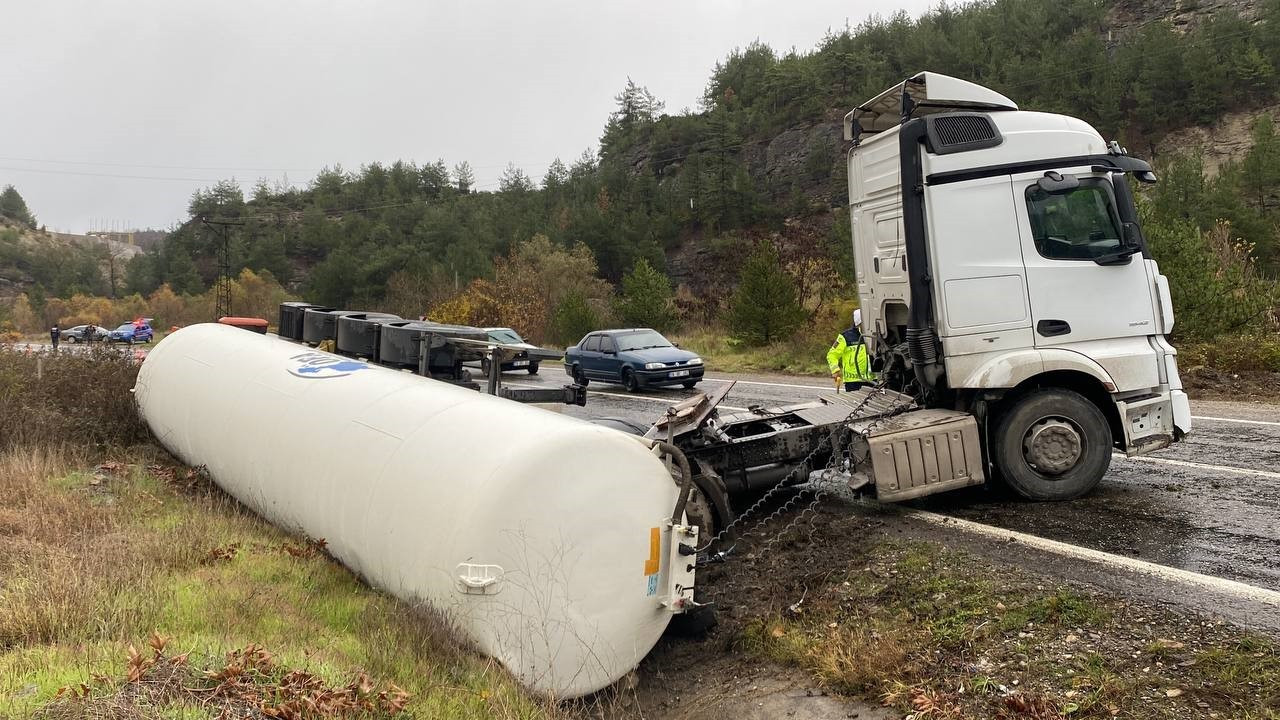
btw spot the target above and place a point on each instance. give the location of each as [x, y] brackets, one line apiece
[316, 365]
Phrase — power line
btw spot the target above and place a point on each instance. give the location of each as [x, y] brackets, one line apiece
[155, 167]
[109, 175]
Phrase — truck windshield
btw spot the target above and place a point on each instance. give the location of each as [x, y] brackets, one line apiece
[1077, 224]
[642, 339]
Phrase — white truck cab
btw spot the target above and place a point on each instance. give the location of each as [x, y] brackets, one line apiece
[1003, 273]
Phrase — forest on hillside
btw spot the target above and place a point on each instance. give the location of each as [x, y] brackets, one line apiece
[421, 236]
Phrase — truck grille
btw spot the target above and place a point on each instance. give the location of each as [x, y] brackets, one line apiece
[957, 132]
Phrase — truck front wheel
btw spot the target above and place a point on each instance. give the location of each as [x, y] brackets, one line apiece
[1052, 444]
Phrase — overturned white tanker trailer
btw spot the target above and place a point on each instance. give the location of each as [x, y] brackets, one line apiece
[546, 540]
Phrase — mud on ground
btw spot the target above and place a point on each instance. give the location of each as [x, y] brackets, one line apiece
[1204, 383]
[853, 615]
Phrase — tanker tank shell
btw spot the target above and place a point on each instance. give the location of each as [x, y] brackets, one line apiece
[541, 537]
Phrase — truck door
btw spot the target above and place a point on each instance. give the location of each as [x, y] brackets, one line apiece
[1080, 290]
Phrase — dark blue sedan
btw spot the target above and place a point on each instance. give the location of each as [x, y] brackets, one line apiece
[636, 358]
[131, 333]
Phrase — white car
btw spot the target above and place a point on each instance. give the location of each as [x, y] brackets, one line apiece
[521, 361]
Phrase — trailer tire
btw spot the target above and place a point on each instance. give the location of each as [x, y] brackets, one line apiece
[1052, 444]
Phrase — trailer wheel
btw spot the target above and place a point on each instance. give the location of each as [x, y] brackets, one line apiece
[1052, 444]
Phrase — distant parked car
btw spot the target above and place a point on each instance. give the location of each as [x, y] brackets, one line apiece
[520, 361]
[131, 333]
[636, 358]
[77, 334]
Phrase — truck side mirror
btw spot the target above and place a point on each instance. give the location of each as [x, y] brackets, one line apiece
[1055, 182]
[1132, 236]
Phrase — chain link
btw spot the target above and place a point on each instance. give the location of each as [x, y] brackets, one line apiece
[839, 450]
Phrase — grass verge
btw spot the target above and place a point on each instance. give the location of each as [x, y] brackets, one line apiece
[939, 634]
[803, 354]
[95, 558]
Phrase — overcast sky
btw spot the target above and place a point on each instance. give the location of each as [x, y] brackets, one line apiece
[180, 93]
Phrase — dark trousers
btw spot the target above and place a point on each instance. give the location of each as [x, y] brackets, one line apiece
[851, 386]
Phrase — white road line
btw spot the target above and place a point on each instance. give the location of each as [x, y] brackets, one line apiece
[770, 384]
[1235, 420]
[1233, 588]
[1201, 466]
[665, 401]
[628, 396]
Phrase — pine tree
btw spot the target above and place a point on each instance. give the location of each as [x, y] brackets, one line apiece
[764, 308]
[646, 299]
[514, 180]
[1261, 167]
[463, 178]
[572, 318]
[14, 207]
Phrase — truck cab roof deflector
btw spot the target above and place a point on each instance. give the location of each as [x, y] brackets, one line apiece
[931, 92]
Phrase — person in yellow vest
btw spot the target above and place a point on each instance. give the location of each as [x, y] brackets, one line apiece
[848, 359]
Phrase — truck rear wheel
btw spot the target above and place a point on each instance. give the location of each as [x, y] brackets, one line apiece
[1052, 444]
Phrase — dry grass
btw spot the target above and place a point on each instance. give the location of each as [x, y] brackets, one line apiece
[938, 634]
[96, 556]
[803, 354]
[78, 399]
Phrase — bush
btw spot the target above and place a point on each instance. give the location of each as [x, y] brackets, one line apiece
[572, 318]
[1238, 353]
[77, 399]
[1217, 290]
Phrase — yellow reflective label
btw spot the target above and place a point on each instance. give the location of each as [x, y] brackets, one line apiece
[655, 548]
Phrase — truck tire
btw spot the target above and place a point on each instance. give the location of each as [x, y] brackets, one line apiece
[1052, 444]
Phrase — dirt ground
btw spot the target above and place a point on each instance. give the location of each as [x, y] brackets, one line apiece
[1204, 383]
[980, 639]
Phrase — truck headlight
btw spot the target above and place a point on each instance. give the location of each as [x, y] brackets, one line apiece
[695, 361]
[654, 366]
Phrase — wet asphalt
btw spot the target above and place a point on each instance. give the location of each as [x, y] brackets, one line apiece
[1210, 504]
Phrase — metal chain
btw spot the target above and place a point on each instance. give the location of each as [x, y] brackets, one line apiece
[820, 491]
[837, 456]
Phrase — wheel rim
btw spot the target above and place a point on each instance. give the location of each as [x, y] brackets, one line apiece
[1053, 445]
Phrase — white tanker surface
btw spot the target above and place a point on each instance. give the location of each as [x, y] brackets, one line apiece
[545, 539]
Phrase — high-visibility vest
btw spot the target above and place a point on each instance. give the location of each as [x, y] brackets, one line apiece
[848, 355]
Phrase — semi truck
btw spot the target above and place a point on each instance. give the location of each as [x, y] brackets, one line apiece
[1003, 274]
[1010, 304]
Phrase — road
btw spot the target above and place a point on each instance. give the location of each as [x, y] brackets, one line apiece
[1210, 504]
